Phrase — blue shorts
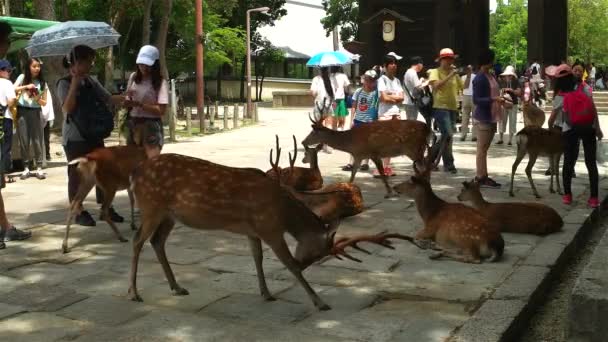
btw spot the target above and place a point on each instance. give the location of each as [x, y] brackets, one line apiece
[359, 123]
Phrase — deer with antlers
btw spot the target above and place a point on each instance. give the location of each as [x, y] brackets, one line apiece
[209, 196]
[536, 141]
[524, 218]
[374, 140]
[460, 232]
[109, 168]
[300, 178]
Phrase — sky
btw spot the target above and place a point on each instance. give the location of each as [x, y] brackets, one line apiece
[492, 5]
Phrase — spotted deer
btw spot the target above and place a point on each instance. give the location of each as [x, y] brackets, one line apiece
[109, 168]
[374, 140]
[535, 141]
[208, 196]
[300, 178]
[524, 218]
[460, 232]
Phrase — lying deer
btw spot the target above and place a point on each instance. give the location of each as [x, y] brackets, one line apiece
[300, 178]
[535, 141]
[109, 168]
[459, 231]
[375, 140]
[525, 218]
[209, 196]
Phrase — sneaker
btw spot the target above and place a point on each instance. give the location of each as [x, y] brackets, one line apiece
[115, 217]
[593, 202]
[14, 234]
[85, 219]
[474, 139]
[548, 172]
[327, 149]
[2, 244]
[347, 167]
[389, 172]
[499, 142]
[451, 170]
[25, 174]
[567, 199]
[487, 182]
[364, 167]
[40, 175]
[48, 157]
[509, 143]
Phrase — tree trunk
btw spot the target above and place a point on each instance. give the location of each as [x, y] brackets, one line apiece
[262, 82]
[65, 14]
[243, 76]
[6, 8]
[146, 23]
[255, 63]
[116, 16]
[218, 83]
[161, 42]
[16, 7]
[45, 6]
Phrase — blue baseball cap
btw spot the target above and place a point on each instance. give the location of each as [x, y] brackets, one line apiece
[5, 65]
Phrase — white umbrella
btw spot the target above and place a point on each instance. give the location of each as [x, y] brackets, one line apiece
[60, 39]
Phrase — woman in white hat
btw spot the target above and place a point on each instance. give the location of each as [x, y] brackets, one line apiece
[509, 85]
[148, 96]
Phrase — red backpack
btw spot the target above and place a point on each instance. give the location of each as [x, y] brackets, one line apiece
[579, 107]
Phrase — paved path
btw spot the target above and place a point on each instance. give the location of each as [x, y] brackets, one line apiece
[394, 295]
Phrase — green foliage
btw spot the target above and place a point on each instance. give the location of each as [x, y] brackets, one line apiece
[587, 29]
[343, 14]
[508, 31]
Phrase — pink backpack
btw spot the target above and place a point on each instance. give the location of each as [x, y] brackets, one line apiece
[579, 107]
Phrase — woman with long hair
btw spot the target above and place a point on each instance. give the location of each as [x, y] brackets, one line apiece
[565, 84]
[32, 93]
[323, 94]
[148, 96]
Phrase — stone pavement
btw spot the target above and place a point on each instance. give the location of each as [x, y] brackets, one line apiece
[394, 295]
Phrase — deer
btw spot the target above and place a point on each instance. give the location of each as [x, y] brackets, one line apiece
[533, 115]
[523, 218]
[457, 231]
[374, 140]
[537, 141]
[300, 178]
[109, 168]
[244, 201]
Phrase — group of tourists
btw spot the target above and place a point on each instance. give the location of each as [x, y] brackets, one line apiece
[489, 98]
[81, 97]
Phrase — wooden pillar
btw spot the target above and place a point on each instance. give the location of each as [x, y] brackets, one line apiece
[547, 31]
[476, 30]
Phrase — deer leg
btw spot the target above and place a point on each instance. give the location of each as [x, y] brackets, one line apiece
[455, 256]
[158, 240]
[132, 203]
[531, 162]
[105, 212]
[556, 158]
[148, 227]
[256, 250]
[281, 250]
[389, 192]
[356, 165]
[75, 207]
[520, 156]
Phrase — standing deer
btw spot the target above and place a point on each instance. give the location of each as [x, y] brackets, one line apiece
[374, 140]
[459, 231]
[533, 115]
[300, 178]
[535, 141]
[525, 218]
[109, 168]
[209, 196]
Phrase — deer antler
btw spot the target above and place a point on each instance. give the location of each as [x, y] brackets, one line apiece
[292, 161]
[381, 239]
[275, 162]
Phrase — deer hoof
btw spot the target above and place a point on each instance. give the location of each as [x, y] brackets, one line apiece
[180, 291]
[324, 307]
[391, 195]
[65, 249]
[435, 256]
[552, 191]
[511, 194]
[135, 297]
[133, 226]
[538, 196]
[269, 298]
[122, 239]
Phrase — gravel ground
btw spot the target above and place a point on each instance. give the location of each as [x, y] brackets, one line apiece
[549, 323]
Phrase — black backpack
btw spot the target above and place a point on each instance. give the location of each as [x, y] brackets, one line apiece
[424, 101]
[92, 117]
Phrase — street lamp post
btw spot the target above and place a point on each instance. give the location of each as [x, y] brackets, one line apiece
[248, 24]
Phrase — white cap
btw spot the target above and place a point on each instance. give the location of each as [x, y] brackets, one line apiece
[371, 73]
[147, 55]
[397, 57]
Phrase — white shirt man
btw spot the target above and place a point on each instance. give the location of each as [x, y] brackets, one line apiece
[467, 107]
[411, 82]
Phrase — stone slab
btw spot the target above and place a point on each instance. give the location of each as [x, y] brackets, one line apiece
[37, 297]
[7, 310]
[247, 284]
[105, 310]
[490, 322]
[522, 283]
[545, 254]
[240, 264]
[38, 326]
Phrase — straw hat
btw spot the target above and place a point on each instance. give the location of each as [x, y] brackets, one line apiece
[509, 71]
[558, 71]
[446, 53]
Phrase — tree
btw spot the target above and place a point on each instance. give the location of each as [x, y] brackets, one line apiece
[161, 41]
[587, 27]
[508, 32]
[145, 40]
[343, 14]
[265, 55]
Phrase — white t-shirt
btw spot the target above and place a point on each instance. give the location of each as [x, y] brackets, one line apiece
[339, 83]
[468, 91]
[410, 81]
[592, 73]
[317, 86]
[144, 92]
[391, 87]
[535, 77]
[7, 93]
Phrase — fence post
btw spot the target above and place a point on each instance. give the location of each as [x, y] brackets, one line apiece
[189, 120]
[172, 112]
[201, 116]
[216, 113]
[235, 116]
[225, 128]
[211, 117]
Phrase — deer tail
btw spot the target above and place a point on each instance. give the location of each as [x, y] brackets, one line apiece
[497, 246]
[86, 166]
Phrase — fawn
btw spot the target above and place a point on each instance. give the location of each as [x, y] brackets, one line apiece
[533, 115]
[374, 140]
[452, 226]
[536, 141]
[209, 196]
[109, 168]
[525, 218]
[300, 178]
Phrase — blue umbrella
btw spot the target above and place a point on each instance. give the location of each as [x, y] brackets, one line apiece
[326, 59]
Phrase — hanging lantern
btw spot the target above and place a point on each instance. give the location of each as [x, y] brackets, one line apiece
[388, 30]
